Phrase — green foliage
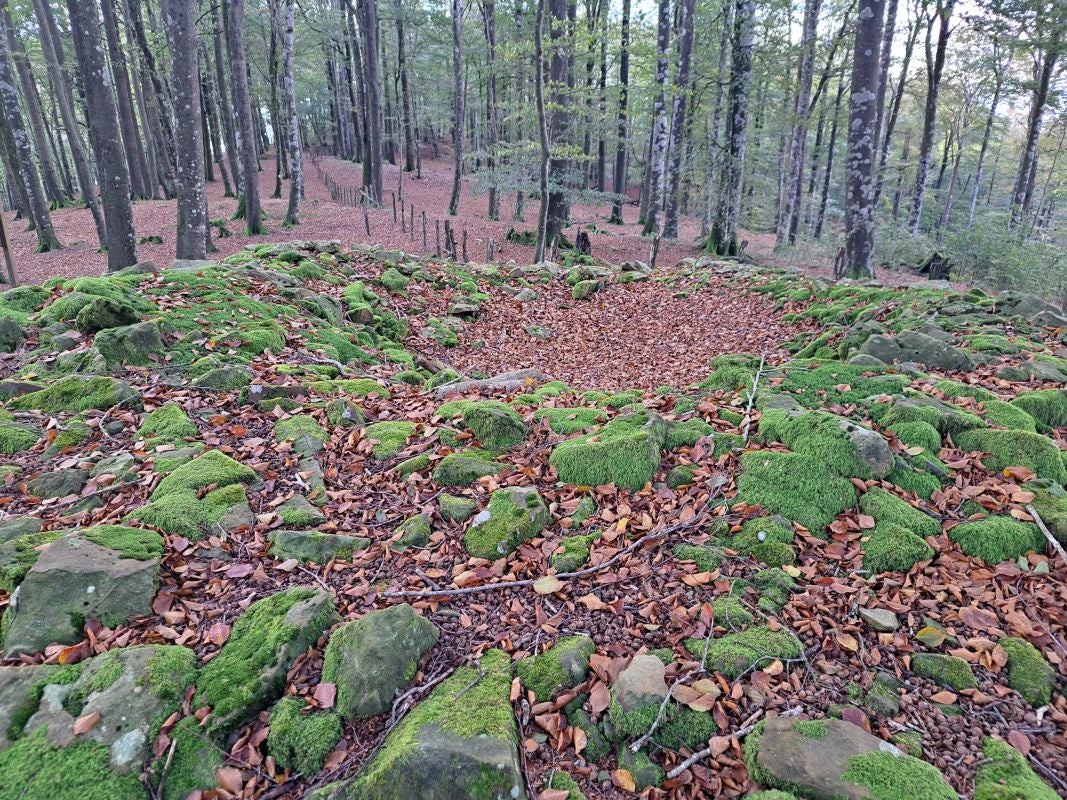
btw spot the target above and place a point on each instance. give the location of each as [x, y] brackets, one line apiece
[72, 393]
[948, 671]
[213, 467]
[560, 667]
[887, 507]
[919, 434]
[168, 424]
[1047, 406]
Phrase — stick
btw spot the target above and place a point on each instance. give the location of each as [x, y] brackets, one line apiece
[707, 751]
[655, 536]
[752, 397]
[1048, 535]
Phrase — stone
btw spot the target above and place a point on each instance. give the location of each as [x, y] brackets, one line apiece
[641, 684]
[833, 760]
[18, 526]
[103, 312]
[414, 532]
[453, 508]
[131, 344]
[122, 465]
[61, 483]
[562, 666]
[225, 378]
[371, 658]
[76, 579]
[882, 698]
[14, 388]
[880, 619]
[18, 687]
[918, 347]
[12, 335]
[460, 470]
[297, 511]
[315, 546]
[513, 515]
[948, 671]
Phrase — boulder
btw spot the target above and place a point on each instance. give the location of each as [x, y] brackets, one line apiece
[225, 378]
[514, 515]
[562, 666]
[315, 547]
[19, 691]
[107, 573]
[12, 335]
[61, 483]
[18, 526]
[371, 658]
[104, 312]
[918, 347]
[131, 344]
[835, 760]
[641, 684]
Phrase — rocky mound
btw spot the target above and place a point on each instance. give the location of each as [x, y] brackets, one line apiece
[261, 538]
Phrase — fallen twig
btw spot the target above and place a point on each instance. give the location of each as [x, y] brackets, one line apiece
[750, 725]
[752, 398]
[1048, 534]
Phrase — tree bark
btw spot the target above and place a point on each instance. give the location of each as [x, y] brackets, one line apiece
[215, 126]
[542, 131]
[825, 194]
[862, 141]
[104, 134]
[658, 153]
[489, 16]
[890, 122]
[223, 108]
[712, 172]
[619, 178]
[235, 43]
[162, 98]
[998, 83]
[124, 94]
[368, 21]
[296, 161]
[560, 123]
[678, 120]
[179, 22]
[457, 109]
[406, 102]
[1023, 191]
[724, 230]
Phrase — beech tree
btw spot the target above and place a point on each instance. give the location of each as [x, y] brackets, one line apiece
[251, 211]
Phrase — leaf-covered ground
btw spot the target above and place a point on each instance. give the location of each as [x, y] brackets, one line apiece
[684, 559]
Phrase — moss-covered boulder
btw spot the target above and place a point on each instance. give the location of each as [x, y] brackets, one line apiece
[60, 483]
[514, 515]
[300, 742]
[75, 393]
[460, 743]
[916, 347]
[1005, 775]
[624, 452]
[998, 538]
[835, 759]
[137, 344]
[799, 487]
[893, 548]
[463, 470]
[575, 552]
[305, 434]
[103, 312]
[315, 547]
[562, 666]
[637, 696]
[453, 508]
[1028, 672]
[948, 671]
[107, 573]
[844, 447]
[948, 419]
[414, 532]
[249, 672]
[371, 658]
[767, 539]
[1005, 449]
[495, 425]
[168, 424]
[736, 653]
[389, 437]
[16, 437]
[1047, 406]
[225, 379]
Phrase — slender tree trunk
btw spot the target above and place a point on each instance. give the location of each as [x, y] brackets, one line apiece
[489, 15]
[179, 22]
[561, 33]
[542, 131]
[787, 231]
[658, 153]
[619, 178]
[458, 112]
[825, 194]
[296, 169]
[276, 122]
[137, 80]
[935, 66]
[235, 43]
[368, 22]
[1023, 191]
[862, 138]
[104, 134]
[163, 104]
[223, 108]
[713, 172]
[678, 121]
[13, 173]
[950, 192]
[998, 77]
[602, 101]
[123, 93]
[890, 122]
[64, 100]
[407, 105]
[724, 230]
[215, 125]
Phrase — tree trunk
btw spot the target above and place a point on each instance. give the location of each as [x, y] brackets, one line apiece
[179, 22]
[224, 109]
[296, 170]
[123, 93]
[235, 44]
[489, 15]
[657, 155]
[211, 105]
[53, 58]
[1022, 192]
[163, 105]
[406, 103]
[104, 134]
[790, 222]
[862, 138]
[935, 66]
[998, 78]
[560, 34]
[457, 109]
[619, 178]
[724, 230]
[889, 123]
[542, 131]
[276, 123]
[714, 157]
[825, 194]
[368, 22]
[138, 82]
[678, 121]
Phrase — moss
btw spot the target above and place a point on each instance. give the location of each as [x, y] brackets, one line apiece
[299, 427]
[168, 424]
[232, 682]
[919, 434]
[442, 378]
[1047, 406]
[627, 456]
[184, 514]
[947, 418]
[731, 416]
[706, 557]
[340, 412]
[735, 653]
[413, 464]
[948, 671]
[14, 438]
[1004, 415]
[1015, 449]
[887, 507]
[811, 728]
[679, 476]
[563, 781]
[56, 676]
[390, 437]
[213, 467]
[135, 543]
[991, 343]
[301, 742]
[393, 281]
[575, 552]
[567, 421]
[562, 666]
[24, 298]
[1028, 672]
[1005, 775]
[796, 486]
[642, 769]
[73, 393]
[18, 555]
[65, 307]
[686, 433]
[893, 548]
[918, 482]
[686, 729]
[193, 766]
[887, 776]
[771, 794]
[815, 385]
[72, 434]
[357, 387]
[495, 424]
[997, 539]
[102, 312]
[462, 470]
[817, 434]
[102, 672]
[508, 524]
[33, 769]
[472, 702]
[585, 509]
[415, 532]
[455, 509]
[730, 613]
[775, 587]
[765, 539]
[728, 378]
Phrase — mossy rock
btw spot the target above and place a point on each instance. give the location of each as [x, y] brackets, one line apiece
[185, 514]
[681, 475]
[886, 507]
[567, 421]
[301, 742]
[77, 393]
[767, 539]
[414, 532]
[948, 671]
[998, 538]
[389, 437]
[341, 412]
[1004, 415]
[225, 379]
[16, 437]
[645, 772]
[139, 344]
[314, 546]
[625, 452]
[455, 509]
[919, 434]
[1028, 672]
[1006, 775]
[495, 425]
[102, 312]
[686, 433]
[1005, 448]
[562, 666]
[306, 435]
[514, 515]
[460, 470]
[798, 487]
[736, 653]
[948, 419]
[168, 424]
[843, 447]
[1047, 406]
[575, 552]
[893, 548]
[249, 672]
[412, 465]
[708, 558]
[212, 468]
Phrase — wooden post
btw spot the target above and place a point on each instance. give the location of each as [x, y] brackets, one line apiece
[403, 217]
[489, 252]
[366, 219]
[411, 222]
[5, 243]
[654, 253]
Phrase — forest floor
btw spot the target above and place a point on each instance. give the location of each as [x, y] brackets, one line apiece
[279, 429]
[322, 218]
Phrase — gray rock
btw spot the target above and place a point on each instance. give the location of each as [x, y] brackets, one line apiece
[373, 657]
[526, 295]
[315, 546]
[918, 347]
[866, 360]
[191, 264]
[883, 698]
[1043, 371]
[61, 483]
[12, 335]
[122, 465]
[130, 344]
[18, 526]
[18, 686]
[75, 580]
[642, 684]
[513, 515]
[9, 389]
[880, 619]
[297, 510]
[225, 378]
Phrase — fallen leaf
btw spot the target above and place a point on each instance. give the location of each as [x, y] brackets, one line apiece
[1020, 741]
[944, 698]
[547, 584]
[623, 780]
[229, 778]
[325, 694]
[86, 723]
